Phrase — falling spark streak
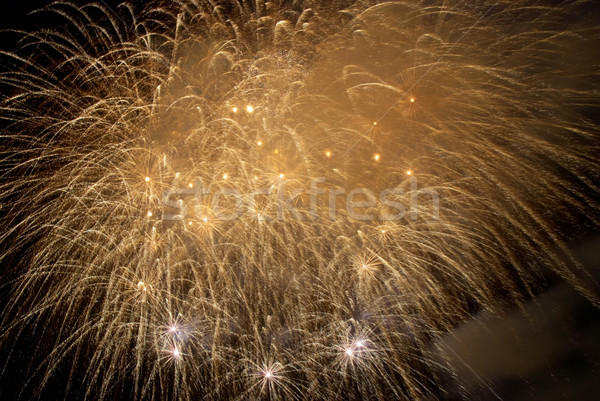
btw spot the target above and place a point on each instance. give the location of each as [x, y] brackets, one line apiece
[102, 119]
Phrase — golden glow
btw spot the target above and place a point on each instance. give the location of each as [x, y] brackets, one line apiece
[270, 284]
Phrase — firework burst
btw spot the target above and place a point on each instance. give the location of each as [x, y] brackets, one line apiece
[285, 200]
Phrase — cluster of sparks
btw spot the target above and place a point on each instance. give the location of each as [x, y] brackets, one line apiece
[109, 116]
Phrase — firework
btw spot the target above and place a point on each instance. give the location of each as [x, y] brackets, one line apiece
[285, 200]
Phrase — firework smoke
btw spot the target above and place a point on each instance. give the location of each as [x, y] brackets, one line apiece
[477, 119]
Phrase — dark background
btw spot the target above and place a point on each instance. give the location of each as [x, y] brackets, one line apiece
[16, 14]
[13, 14]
